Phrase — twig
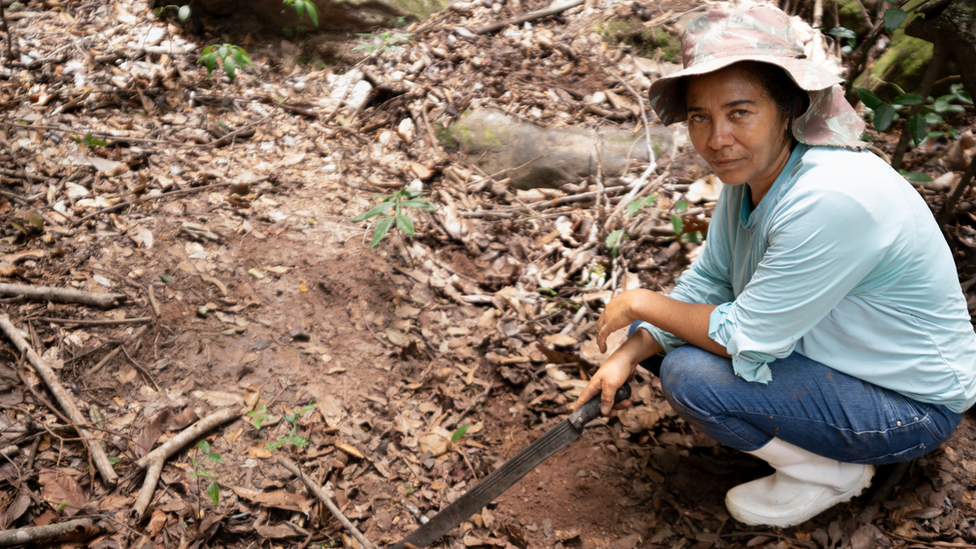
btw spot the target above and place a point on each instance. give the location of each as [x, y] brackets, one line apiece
[32, 534]
[950, 204]
[6, 29]
[93, 322]
[531, 16]
[152, 299]
[873, 506]
[66, 295]
[326, 499]
[163, 196]
[738, 535]
[176, 443]
[473, 473]
[506, 170]
[929, 543]
[51, 379]
[474, 404]
[22, 173]
[148, 488]
[338, 106]
[140, 368]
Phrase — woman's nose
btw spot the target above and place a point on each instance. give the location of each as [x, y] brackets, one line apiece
[720, 136]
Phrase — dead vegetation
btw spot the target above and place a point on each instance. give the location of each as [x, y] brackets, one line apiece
[214, 218]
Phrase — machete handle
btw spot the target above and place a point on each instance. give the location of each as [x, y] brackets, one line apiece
[591, 410]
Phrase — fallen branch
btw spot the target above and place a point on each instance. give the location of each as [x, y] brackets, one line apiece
[22, 536]
[65, 295]
[326, 499]
[163, 196]
[531, 16]
[98, 454]
[148, 488]
[80, 322]
[176, 443]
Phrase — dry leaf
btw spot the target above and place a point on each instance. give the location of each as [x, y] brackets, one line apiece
[150, 433]
[62, 492]
[259, 452]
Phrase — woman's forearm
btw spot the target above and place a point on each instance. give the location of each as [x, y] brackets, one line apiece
[688, 321]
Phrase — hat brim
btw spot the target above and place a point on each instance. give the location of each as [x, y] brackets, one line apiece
[663, 94]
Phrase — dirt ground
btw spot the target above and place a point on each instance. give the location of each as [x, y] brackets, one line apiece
[261, 294]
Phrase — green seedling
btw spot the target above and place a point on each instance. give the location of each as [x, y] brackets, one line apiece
[199, 471]
[231, 58]
[292, 437]
[382, 41]
[259, 416]
[182, 12]
[396, 202]
[89, 140]
[302, 7]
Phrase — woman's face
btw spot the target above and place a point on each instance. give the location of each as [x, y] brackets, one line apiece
[737, 129]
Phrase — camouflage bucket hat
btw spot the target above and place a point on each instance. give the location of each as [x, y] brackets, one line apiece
[761, 33]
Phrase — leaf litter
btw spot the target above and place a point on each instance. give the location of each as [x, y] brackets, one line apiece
[429, 360]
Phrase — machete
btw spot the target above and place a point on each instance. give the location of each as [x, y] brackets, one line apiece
[504, 477]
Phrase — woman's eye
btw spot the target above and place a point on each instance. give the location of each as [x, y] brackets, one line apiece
[697, 118]
[740, 113]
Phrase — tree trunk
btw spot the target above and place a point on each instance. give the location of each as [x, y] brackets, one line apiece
[954, 22]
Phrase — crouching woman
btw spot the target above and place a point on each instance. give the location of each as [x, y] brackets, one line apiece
[822, 328]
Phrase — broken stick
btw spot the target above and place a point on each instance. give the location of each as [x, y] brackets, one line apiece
[65, 295]
[148, 487]
[22, 536]
[98, 454]
[176, 443]
[531, 16]
[326, 500]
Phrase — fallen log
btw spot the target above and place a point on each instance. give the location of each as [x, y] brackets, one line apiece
[326, 500]
[98, 454]
[21, 536]
[64, 295]
[531, 16]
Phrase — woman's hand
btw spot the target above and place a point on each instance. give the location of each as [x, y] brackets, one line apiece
[617, 370]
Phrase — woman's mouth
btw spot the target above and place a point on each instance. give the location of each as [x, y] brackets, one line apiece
[725, 164]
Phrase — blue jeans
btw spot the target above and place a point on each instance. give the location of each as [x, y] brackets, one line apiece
[806, 404]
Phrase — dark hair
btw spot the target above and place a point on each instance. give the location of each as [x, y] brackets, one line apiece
[776, 83]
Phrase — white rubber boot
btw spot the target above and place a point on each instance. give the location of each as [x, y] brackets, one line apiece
[803, 486]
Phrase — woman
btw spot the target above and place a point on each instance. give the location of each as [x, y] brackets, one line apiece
[826, 329]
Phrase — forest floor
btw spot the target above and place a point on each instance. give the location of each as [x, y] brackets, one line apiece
[223, 212]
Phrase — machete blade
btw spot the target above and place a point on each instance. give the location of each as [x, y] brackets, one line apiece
[504, 477]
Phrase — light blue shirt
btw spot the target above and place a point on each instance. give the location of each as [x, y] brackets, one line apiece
[842, 262]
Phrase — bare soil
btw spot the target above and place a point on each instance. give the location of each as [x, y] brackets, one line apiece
[288, 303]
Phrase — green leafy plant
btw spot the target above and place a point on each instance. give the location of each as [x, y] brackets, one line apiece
[396, 202]
[614, 240]
[231, 58]
[199, 471]
[459, 433]
[89, 140]
[292, 437]
[382, 41]
[182, 12]
[920, 123]
[302, 7]
[258, 416]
